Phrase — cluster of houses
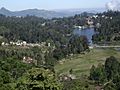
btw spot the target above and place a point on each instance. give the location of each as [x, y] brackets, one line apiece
[90, 22]
[24, 43]
[18, 43]
[103, 16]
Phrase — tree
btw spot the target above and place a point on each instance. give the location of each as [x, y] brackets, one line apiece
[71, 71]
[3, 31]
[5, 81]
[112, 67]
[108, 75]
[98, 74]
[78, 84]
[78, 44]
[92, 72]
[38, 79]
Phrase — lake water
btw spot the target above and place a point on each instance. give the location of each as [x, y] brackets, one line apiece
[85, 32]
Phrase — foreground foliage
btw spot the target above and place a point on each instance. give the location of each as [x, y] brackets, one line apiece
[16, 75]
[38, 79]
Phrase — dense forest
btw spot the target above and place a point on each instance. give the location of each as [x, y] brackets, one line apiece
[35, 30]
[16, 75]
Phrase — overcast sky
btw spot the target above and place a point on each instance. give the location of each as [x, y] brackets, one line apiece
[51, 4]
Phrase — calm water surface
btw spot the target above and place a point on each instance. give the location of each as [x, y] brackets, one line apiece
[85, 32]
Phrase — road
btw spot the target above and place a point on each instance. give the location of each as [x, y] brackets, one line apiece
[107, 46]
[104, 46]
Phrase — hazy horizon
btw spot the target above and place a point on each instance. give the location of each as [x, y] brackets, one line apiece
[67, 9]
[15, 5]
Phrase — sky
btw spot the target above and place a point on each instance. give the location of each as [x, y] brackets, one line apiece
[16, 5]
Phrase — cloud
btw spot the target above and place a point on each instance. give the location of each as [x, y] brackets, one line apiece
[113, 5]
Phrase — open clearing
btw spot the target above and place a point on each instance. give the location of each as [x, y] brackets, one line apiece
[81, 64]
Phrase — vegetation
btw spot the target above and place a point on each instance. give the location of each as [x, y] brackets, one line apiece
[29, 67]
[109, 27]
[78, 84]
[11, 69]
[61, 60]
[55, 31]
[108, 75]
[81, 64]
[38, 79]
[103, 76]
[16, 75]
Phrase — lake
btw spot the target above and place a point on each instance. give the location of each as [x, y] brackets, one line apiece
[89, 32]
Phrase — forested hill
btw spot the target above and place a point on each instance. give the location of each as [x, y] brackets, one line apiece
[33, 12]
[45, 13]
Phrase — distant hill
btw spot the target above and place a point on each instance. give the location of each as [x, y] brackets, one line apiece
[33, 12]
[81, 10]
[48, 14]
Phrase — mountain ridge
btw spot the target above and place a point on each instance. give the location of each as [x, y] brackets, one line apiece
[46, 13]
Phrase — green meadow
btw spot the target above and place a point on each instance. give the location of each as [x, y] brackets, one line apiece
[81, 64]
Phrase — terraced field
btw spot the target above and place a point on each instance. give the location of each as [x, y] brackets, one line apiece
[81, 64]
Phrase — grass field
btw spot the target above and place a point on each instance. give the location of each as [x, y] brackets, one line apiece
[81, 64]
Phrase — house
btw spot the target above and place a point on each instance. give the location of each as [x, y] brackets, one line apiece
[43, 24]
[98, 25]
[91, 47]
[27, 60]
[65, 77]
[103, 16]
[48, 44]
[79, 27]
[19, 43]
[111, 17]
[89, 22]
[3, 43]
[95, 16]
[24, 43]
